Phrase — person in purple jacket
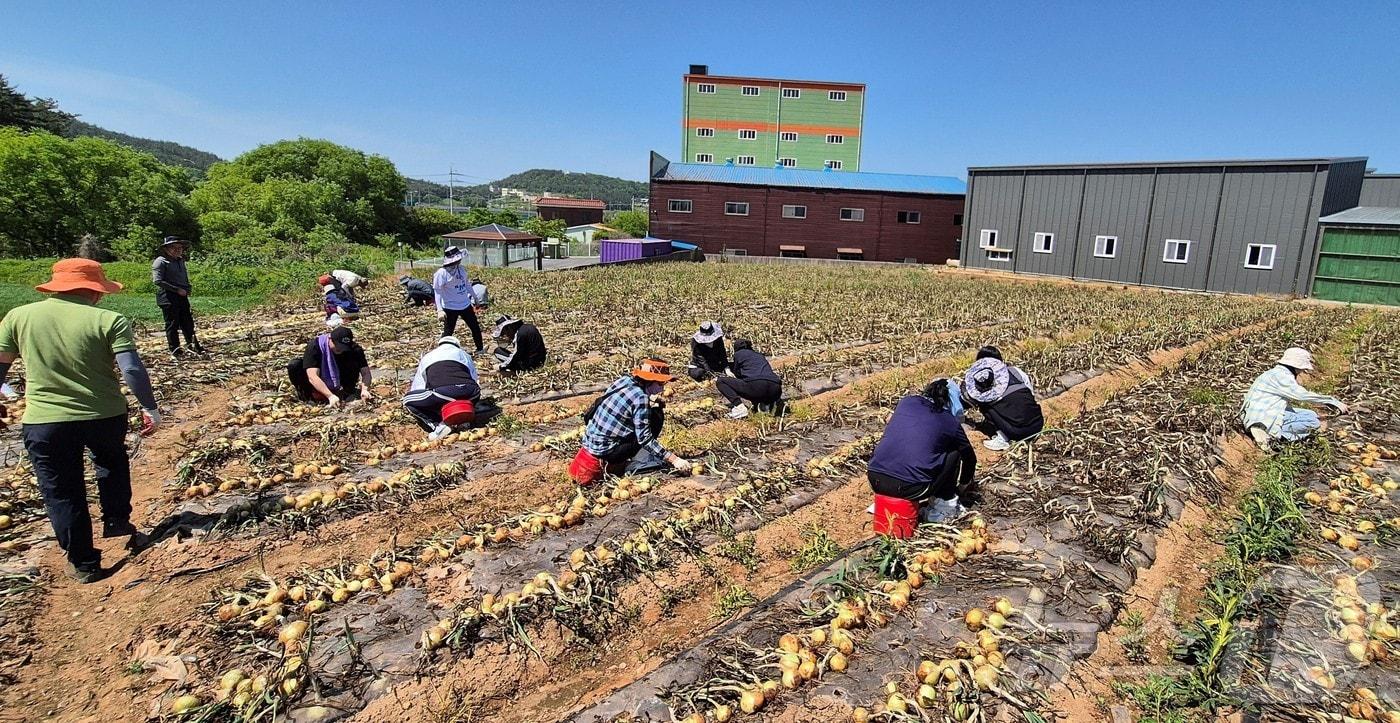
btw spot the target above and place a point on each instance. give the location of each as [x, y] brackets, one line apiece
[924, 455]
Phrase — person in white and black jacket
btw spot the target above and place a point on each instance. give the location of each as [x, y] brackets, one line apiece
[754, 380]
[444, 374]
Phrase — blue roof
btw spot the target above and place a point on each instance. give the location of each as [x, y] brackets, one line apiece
[803, 178]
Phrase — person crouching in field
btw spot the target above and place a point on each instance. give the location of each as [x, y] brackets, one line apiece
[75, 402]
[924, 455]
[753, 380]
[1006, 399]
[339, 304]
[708, 357]
[445, 374]
[330, 368]
[623, 427]
[522, 346]
[1268, 411]
[416, 292]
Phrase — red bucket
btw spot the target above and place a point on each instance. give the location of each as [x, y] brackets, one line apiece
[585, 469]
[895, 517]
[458, 412]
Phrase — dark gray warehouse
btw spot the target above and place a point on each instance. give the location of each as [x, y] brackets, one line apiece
[1233, 226]
[1380, 189]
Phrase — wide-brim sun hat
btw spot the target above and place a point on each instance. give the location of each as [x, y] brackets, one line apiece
[654, 370]
[77, 274]
[504, 322]
[1296, 357]
[452, 259]
[328, 288]
[404, 278]
[173, 241]
[987, 380]
[709, 331]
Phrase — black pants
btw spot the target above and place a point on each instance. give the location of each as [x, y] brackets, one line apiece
[296, 374]
[178, 318]
[56, 452]
[994, 421]
[758, 391]
[426, 404]
[449, 324]
[943, 487]
[699, 374]
[417, 298]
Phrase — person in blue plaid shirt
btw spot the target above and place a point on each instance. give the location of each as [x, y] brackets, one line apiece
[624, 425]
[1268, 411]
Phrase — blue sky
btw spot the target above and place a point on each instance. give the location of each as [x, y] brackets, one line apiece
[494, 88]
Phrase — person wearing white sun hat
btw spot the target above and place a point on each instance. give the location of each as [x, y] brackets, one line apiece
[455, 298]
[1268, 413]
[708, 357]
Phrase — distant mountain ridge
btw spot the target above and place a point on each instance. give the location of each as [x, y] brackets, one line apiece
[541, 181]
[166, 152]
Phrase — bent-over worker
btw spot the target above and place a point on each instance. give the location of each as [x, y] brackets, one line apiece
[445, 374]
[924, 455]
[172, 281]
[75, 402]
[708, 357]
[1006, 399]
[754, 381]
[455, 298]
[623, 427]
[333, 369]
[349, 282]
[1268, 411]
[338, 303]
[416, 292]
[528, 352]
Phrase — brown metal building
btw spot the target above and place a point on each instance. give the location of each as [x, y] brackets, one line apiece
[803, 213]
[574, 211]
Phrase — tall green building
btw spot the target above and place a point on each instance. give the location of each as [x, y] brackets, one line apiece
[767, 122]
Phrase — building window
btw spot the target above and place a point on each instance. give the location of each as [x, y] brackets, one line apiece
[736, 252]
[836, 95]
[834, 165]
[705, 88]
[957, 219]
[1000, 256]
[852, 214]
[704, 158]
[705, 132]
[793, 253]
[850, 255]
[1176, 251]
[787, 162]
[835, 138]
[750, 90]
[787, 136]
[744, 160]
[907, 217]
[1106, 247]
[1260, 256]
[792, 93]
[1044, 243]
[747, 134]
[678, 206]
[987, 239]
[736, 208]
[794, 212]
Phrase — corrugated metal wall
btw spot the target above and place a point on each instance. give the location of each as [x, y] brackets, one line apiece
[1380, 191]
[1220, 210]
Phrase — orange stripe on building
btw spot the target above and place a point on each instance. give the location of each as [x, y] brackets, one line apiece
[764, 127]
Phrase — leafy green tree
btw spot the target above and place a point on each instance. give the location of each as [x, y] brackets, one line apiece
[30, 113]
[632, 223]
[546, 229]
[54, 190]
[482, 216]
[425, 225]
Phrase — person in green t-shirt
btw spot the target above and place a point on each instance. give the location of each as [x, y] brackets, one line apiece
[75, 402]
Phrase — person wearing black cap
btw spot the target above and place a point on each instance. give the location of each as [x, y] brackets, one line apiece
[529, 352]
[172, 282]
[708, 357]
[416, 292]
[333, 369]
[1006, 399]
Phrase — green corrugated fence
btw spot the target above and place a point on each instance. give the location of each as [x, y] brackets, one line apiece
[1359, 265]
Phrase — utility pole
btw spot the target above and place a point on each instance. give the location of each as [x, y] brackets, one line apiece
[451, 176]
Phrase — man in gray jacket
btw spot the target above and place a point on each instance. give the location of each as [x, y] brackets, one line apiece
[173, 295]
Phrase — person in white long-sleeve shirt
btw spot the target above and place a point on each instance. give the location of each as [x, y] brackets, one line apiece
[1268, 411]
[444, 374]
[452, 290]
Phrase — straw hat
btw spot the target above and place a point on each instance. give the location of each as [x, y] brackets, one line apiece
[654, 370]
[451, 255]
[709, 331]
[1296, 357]
[75, 274]
[987, 380]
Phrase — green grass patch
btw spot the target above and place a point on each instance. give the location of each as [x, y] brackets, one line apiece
[1207, 397]
[817, 549]
[139, 308]
[732, 601]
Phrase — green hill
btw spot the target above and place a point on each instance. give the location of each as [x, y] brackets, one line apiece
[166, 152]
[539, 181]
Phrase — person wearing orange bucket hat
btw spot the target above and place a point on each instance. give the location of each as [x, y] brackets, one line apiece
[622, 428]
[75, 403]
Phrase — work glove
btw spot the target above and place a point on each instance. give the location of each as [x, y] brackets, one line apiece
[366, 394]
[333, 401]
[1340, 407]
[150, 421]
[442, 314]
[680, 465]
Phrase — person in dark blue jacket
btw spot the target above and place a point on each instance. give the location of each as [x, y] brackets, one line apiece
[924, 455]
[754, 380]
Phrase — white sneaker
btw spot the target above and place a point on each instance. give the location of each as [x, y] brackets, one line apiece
[942, 510]
[739, 411]
[999, 443]
[870, 510]
[1261, 438]
[440, 431]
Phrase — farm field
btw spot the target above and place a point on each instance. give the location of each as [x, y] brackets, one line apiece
[315, 565]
